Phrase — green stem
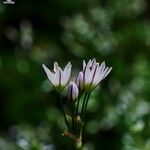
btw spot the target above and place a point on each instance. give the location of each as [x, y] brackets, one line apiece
[83, 104]
[79, 145]
[87, 100]
[62, 107]
[78, 102]
[73, 117]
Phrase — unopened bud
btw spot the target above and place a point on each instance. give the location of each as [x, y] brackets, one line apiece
[78, 120]
[79, 80]
[69, 120]
[73, 91]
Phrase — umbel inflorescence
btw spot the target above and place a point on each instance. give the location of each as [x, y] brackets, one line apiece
[78, 93]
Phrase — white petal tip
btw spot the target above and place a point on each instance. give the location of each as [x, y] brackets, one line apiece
[103, 62]
[55, 63]
[111, 68]
[69, 63]
[44, 66]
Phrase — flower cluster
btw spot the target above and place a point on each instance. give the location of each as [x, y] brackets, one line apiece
[91, 75]
[78, 91]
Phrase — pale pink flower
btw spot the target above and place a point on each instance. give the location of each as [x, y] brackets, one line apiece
[57, 77]
[94, 73]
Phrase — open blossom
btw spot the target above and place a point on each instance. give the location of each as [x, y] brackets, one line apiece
[58, 77]
[94, 73]
[73, 91]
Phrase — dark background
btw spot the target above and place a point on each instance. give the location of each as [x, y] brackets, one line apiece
[37, 32]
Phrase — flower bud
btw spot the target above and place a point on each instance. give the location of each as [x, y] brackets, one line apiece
[79, 80]
[69, 120]
[78, 120]
[73, 91]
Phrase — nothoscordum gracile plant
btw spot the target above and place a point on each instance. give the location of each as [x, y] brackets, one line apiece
[79, 92]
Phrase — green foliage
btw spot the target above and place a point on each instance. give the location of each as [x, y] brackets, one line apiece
[32, 33]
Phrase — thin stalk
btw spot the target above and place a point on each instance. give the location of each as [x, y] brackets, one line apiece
[77, 109]
[78, 142]
[79, 145]
[73, 117]
[83, 104]
[62, 108]
[78, 103]
[87, 100]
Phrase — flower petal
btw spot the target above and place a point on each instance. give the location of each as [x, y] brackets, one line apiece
[56, 67]
[102, 67]
[84, 64]
[66, 73]
[108, 71]
[50, 75]
[101, 75]
[87, 68]
[89, 71]
[87, 77]
[95, 74]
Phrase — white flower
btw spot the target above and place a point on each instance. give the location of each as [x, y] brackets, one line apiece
[73, 91]
[58, 77]
[94, 73]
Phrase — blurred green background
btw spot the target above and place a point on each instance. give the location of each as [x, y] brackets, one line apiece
[36, 32]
